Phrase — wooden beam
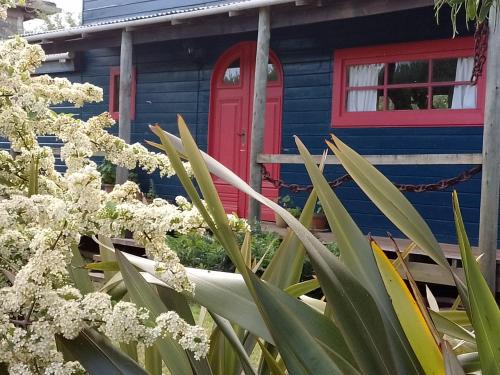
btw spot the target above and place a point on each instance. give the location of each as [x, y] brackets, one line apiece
[342, 9]
[490, 184]
[234, 13]
[419, 159]
[180, 21]
[104, 40]
[259, 109]
[124, 120]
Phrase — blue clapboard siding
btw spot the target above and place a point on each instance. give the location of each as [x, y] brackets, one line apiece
[103, 10]
[170, 81]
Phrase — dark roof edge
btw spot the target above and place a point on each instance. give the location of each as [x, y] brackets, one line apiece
[168, 16]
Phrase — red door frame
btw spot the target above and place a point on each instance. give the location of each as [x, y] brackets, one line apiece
[246, 52]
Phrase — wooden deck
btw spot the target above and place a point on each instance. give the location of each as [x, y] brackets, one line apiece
[421, 266]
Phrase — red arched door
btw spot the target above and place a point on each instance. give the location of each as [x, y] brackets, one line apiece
[230, 121]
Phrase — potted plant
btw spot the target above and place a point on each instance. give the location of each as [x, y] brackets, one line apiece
[319, 221]
[287, 203]
[108, 175]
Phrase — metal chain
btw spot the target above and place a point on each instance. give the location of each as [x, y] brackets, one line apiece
[480, 50]
[420, 188]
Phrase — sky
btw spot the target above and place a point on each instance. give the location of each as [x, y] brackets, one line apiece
[73, 6]
[69, 5]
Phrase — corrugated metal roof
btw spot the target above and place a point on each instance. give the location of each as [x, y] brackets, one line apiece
[170, 12]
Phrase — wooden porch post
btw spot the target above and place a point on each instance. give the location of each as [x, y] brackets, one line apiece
[490, 184]
[259, 109]
[124, 98]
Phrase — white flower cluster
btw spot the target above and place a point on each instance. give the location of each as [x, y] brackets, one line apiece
[44, 212]
[149, 223]
[189, 337]
[32, 347]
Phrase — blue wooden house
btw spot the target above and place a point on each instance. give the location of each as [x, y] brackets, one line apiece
[383, 76]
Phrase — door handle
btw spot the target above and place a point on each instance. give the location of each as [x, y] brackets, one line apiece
[242, 136]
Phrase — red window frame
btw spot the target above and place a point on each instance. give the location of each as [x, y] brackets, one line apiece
[427, 50]
[114, 93]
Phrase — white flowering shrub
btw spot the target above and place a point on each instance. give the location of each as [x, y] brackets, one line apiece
[44, 212]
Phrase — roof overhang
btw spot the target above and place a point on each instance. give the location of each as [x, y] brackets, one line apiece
[228, 18]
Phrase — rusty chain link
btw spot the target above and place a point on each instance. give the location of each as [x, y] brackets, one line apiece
[480, 50]
[420, 188]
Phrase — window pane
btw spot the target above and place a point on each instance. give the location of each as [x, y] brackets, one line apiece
[366, 75]
[232, 73]
[116, 97]
[444, 70]
[409, 72]
[454, 97]
[442, 97]
[450, 70]
[380, 100]
[365, 100]
[272, 72]
[410, 98]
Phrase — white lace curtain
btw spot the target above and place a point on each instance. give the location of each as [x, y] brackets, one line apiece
[464, 96]
[363, 75]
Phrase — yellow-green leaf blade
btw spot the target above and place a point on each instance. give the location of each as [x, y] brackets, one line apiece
[412, 320]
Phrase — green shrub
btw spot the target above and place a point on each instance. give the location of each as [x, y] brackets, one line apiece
[199, 251]
[205, 252]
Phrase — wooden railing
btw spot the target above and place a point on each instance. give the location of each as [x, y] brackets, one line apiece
[411, 159]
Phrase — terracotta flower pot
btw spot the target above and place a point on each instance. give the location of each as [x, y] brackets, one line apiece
[108, 188]
[319, 223]
[279, 221]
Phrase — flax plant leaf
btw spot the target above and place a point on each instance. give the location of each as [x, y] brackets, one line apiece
[272, 363]
[152, 361]
[79, 275]
[484, 312]
[341, 287]
[389, 200]
[299, 349]
[286, 265]
[394, 205]
[102, 266]
[291, 350]
[231, 336]
[446, 326]
[98, 355]
[452, 364]
[299, 289]
[410, 316]
[143, 294]
[357, 255]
